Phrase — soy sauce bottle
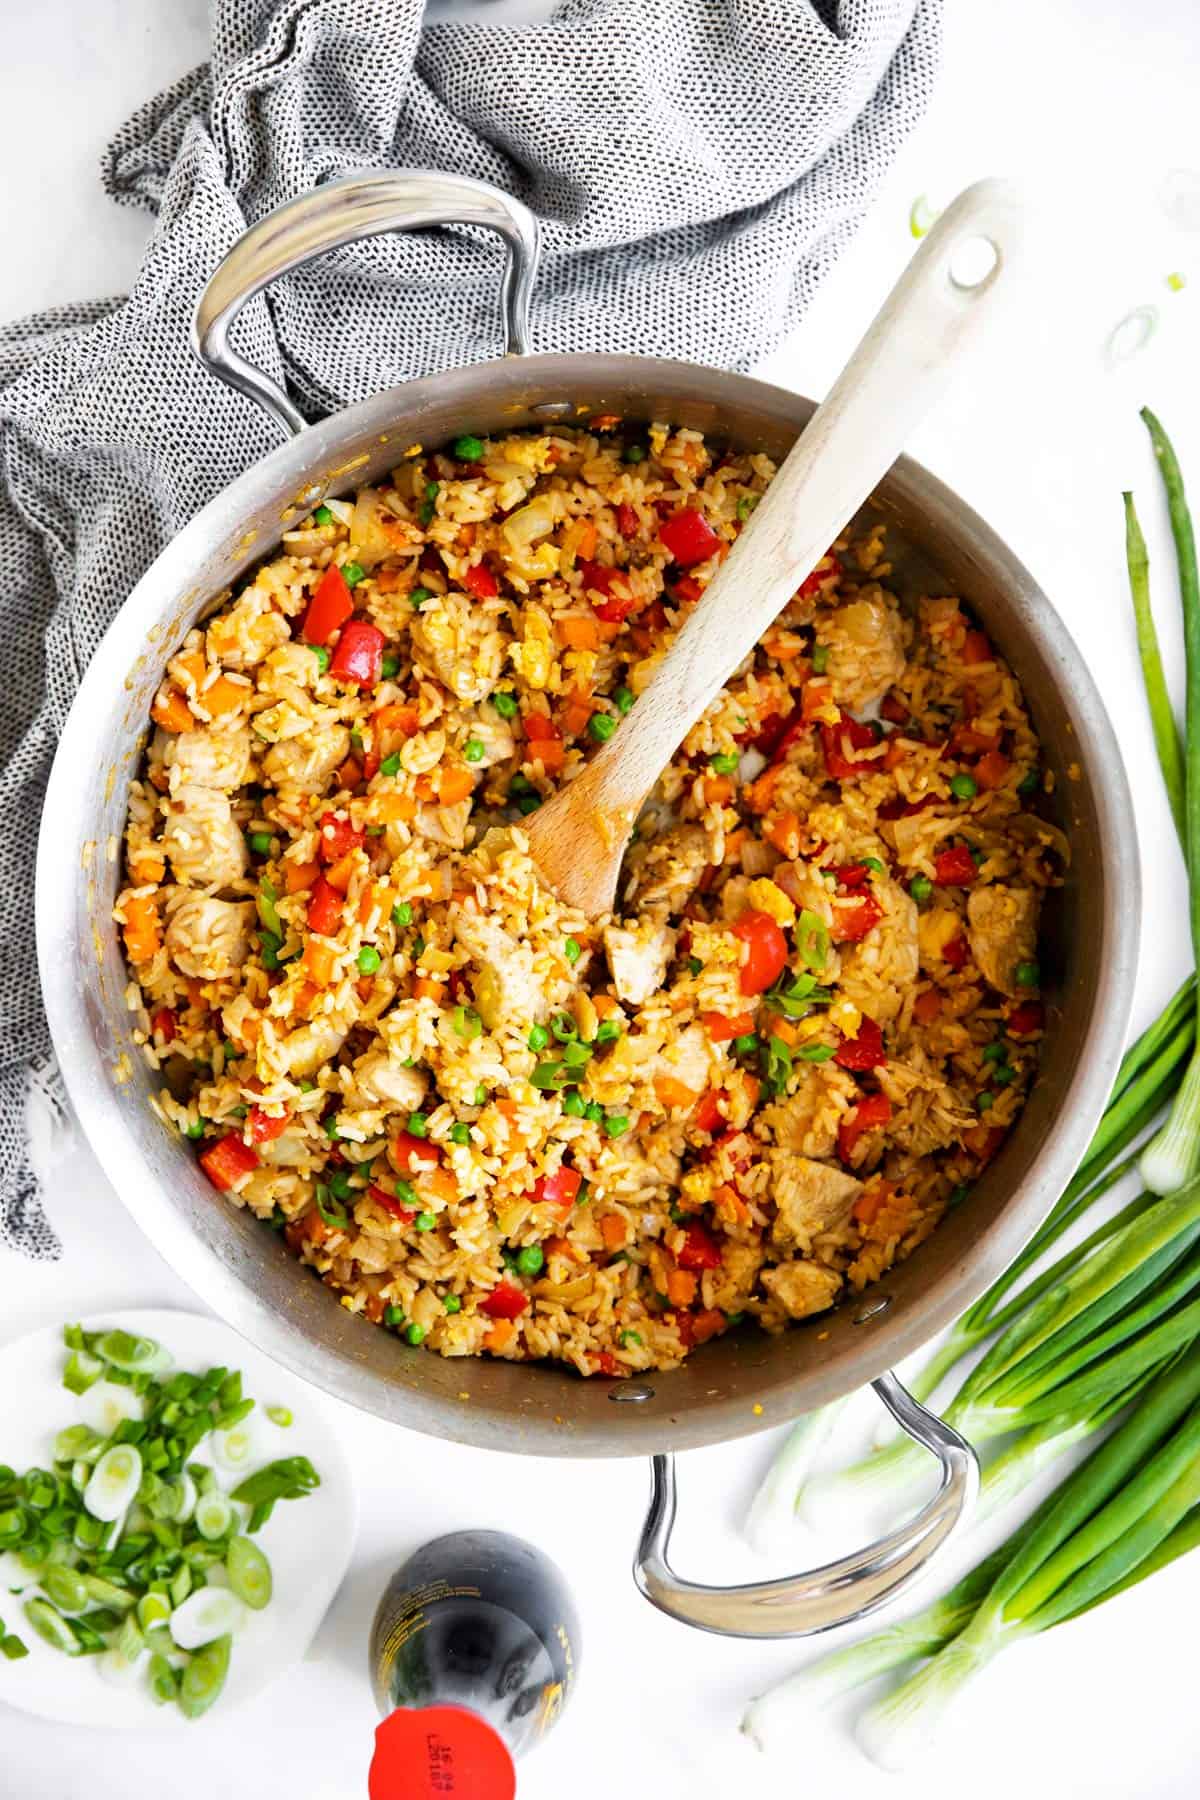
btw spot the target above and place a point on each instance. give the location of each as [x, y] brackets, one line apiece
[474, 1650]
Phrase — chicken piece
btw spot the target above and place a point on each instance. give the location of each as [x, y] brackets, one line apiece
[209, 759]
[207, 938]
[381, 1082]
[865, 641]
[807, 1120]
[508, 989]
[810, 1197]
[288, 672]
[927, 1114]
[730, 1286]
[638, 956]
[1002, 929]
[202, 839]
[460, 644]
[688, 1058]
[306, 758]
[879, 969]
[309, 1048]
[671, 868]
[446, 825]
[802, 1287]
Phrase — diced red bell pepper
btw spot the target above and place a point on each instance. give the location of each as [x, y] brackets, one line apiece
[558, 1189]
[957, 952]
[812, 584]
[791, 729]
[893, 709]
[837, 741]
[967, 741]
[687, 589]
[359, 654]
[976, 647]
[411, 1154]
[850, 923]
[607, 1364]
[164, 1024]
[324, 908]
[722, 1028]
[954, 867]
[708, 1115]
[1025, 1019]
[262, 1127]
[505, 1301]
[991, 771]
[767, 946]
[865, 1051]
[872, 1111]
[539, 728]
[900, 808]
[381, 1197]
[616, 601]
[852, 875]
[330, 606]
[336, 837]
[699, 1250]
[689, 537]
[627, 520]
[226, 1161]
[480, 581]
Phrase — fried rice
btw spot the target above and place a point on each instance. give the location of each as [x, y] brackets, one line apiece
[486, 1122]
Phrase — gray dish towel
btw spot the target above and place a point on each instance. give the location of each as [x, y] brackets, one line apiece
[696, 165]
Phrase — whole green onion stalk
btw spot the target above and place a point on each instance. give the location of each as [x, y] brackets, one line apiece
[1173, 1156]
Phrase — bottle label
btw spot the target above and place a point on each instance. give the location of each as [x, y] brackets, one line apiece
[411, 1616]
[439, 1753]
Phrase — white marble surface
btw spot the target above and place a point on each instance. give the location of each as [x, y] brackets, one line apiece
[1093, 101]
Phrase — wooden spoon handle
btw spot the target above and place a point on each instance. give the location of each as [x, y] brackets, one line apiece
[957, 282]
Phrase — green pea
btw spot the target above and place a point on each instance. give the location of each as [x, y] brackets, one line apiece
[964, 787]
[625, 1338]
[601, 726]
[623, 700]
[260, 843]
[634, 453]
[460, 1133]
[958, 1194]
[530, 1260]
[353, 573]
[984, 1100]
[820, 658]
[425, 1221]
[616, 1125]
[1029, 975]
[473, 750]
[747, 504]
[996, 1053]
[467, 449]
[452, 1303]
[594, 1111]
[572, 1102]
[393, 1316]
[505, 704]
[571, 950]
[415, 1334]
[873, 863]
[724, 764]
[539, 1037]
[402, 915]
[419, 596]
[195, 1129]
[369, 960]
[390, 764]
[920, 887]
[322, 656]
[323, 516]
[1029, 784]
[529, 803]
[418, 1125]
[745, 1045]
[389, 668]
[481, 1095]
[694, 965]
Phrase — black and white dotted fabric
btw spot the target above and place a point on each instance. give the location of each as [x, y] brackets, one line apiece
[696, 165]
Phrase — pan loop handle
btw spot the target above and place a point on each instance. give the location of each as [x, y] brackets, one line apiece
[344, 212]
[838, 1593]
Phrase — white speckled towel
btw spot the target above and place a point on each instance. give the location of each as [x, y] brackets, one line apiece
[696, 169]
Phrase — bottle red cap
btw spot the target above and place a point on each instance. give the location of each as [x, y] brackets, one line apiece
[440, 1753]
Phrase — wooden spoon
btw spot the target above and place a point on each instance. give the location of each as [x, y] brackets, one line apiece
[957, 280]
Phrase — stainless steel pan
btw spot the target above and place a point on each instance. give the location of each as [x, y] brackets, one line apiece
[741, 1384]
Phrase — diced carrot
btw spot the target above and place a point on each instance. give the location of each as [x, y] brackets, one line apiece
[784, 833]
[784, 1029]
[983, 1140]
[577, 633]
[733, 844]
[305, 994]
[223, 696]
[674, 1093]
[499, 1336]
[815, 697]
[171, 711]
[142, 936]
[728, 1204]
[403, 720]
[707, 1324]
[148, 867]
[442, 1184]
[722, 1027]
[318, 961]
[927, 1006]
[193, 665]
[577, 714]
[896, 749]
[339, 876]
[350, 773]
[196, 994]
[610, 629]
[718, 789]
[366, 903]
[785, 646]
[388, 580]
[425, 988]
[297, 875]
[550, 752]
[612, 1230]
[870, 1200]
[976, 648]
[455, 784]
[587, 539]
[681, 1287]
[391, 809]
[605, 1005]
[991, 771]
[373, 1310]
[760, 793]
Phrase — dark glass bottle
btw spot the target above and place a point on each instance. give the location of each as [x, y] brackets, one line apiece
[474, 1650]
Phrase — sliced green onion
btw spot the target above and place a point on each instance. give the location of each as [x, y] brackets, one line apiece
[1131, 335]
[52, 1627]
[249, 1573]
[280, 1415]
[114, 1483]
[204, 1678]
[922, 216]
[812, 940]
[1162, 718]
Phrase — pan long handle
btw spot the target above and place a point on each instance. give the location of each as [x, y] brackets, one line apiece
[344, 212]
[801, 1605]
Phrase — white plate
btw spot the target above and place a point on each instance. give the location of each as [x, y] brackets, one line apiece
[34, 1406]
